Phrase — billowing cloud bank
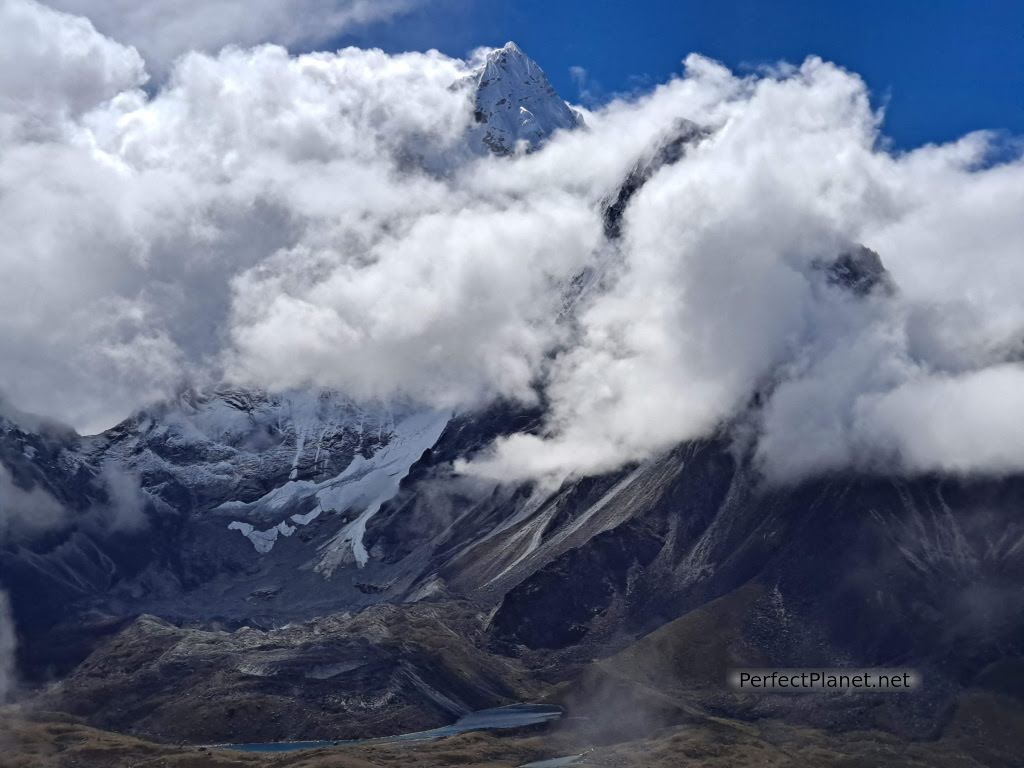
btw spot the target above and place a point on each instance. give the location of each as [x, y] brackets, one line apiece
[164, 29]
[319, 220]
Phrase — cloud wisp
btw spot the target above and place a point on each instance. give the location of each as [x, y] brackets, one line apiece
[8, 646]
[320, 220]
[163, 30]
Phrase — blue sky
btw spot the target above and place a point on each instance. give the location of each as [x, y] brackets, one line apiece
[941, 67]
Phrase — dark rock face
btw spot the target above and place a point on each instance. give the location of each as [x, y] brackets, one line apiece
[668, 152]
[389, 669]
[59, 542]
[852, 569]
[860, 271]
[436, 513]
[233, 445]
[847, 571]
[191, 467]
[553, 608]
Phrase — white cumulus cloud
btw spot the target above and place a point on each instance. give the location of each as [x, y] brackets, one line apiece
[54, 67]
[164, 29]
[322, 220]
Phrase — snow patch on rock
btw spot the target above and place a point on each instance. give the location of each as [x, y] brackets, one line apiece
[263, 541]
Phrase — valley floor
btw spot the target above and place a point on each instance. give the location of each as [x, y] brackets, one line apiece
[984, 732]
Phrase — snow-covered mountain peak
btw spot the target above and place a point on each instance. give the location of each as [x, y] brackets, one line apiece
[510, 60]
[514, 102]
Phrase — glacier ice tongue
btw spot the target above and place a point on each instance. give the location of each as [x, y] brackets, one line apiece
[363, 486]
[371, 482]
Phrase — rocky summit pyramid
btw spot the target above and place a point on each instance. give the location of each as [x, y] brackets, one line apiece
[514, 103]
